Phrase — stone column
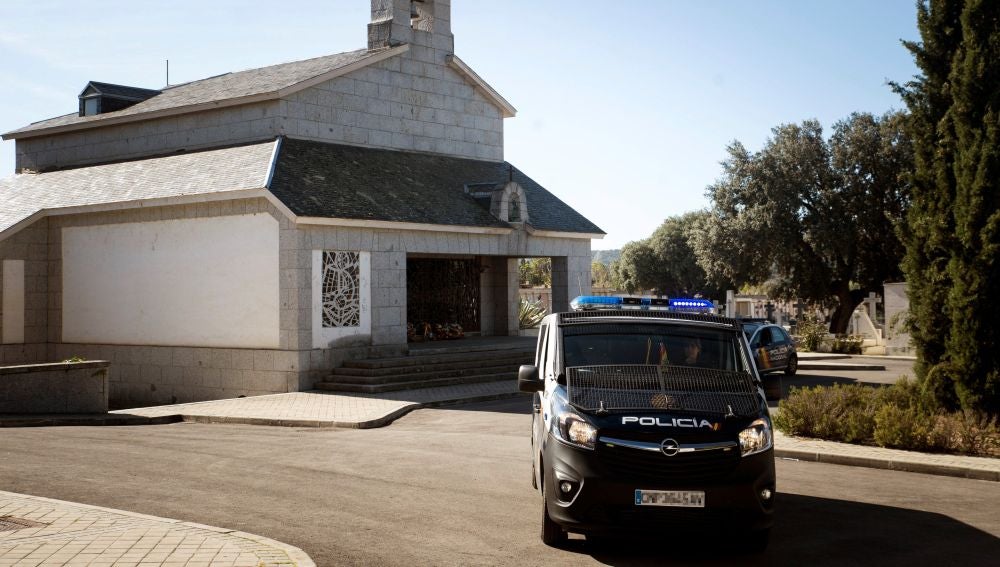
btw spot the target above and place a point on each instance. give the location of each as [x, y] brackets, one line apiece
[501, 297]
[561, 285]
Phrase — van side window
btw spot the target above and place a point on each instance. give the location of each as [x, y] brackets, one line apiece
[543, 333]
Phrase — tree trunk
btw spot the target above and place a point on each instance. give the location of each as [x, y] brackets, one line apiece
[847, 301]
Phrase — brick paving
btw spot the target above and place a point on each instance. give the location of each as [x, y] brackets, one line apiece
[326, 409]
[70, 534]
[982, 468]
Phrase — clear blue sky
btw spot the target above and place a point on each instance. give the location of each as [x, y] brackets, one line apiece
[624, 108]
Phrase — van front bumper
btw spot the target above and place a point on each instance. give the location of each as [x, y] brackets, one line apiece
[602, 499]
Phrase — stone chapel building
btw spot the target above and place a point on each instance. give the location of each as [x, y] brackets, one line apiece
[245, 233]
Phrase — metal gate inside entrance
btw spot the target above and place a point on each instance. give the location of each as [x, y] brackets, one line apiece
[441, 291]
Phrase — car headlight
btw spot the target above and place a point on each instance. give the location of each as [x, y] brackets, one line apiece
[570, 427]
[756, 438]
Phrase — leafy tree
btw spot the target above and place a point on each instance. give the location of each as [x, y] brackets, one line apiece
[953, 230]
[600, 275]
[811, 218]
[535, 272]
[665, 261]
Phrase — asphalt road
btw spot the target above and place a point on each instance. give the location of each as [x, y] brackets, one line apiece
[451, 487]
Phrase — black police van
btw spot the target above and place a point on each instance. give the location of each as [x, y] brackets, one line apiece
[649, 416]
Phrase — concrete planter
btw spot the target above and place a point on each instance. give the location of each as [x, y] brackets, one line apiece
[62, 387]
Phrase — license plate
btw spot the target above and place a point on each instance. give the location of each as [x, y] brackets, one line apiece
[679, 498]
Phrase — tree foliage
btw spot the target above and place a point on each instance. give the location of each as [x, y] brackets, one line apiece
[953, 230]
[535, 272]
[600, 276]
[811, 218]
[665, 262]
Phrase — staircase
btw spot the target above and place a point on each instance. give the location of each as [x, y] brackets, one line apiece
[428, 367]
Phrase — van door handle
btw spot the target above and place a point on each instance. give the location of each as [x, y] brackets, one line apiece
[536, 403]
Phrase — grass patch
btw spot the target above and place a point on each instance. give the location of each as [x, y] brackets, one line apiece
[898, 416]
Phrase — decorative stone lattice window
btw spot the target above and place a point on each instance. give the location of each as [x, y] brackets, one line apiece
[341, 289]
[341, 298]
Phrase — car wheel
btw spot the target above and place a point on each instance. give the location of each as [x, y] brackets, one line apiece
[793, 365]
[772, 387]
[552, 533]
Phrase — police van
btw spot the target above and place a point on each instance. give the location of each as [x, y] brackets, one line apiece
[649, 416]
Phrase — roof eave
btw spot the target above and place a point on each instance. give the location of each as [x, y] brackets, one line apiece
[506, 109]
[189, 109]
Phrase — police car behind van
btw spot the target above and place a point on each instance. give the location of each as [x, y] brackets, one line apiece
[649, 417]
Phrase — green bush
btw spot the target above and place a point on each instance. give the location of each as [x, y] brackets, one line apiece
[810, 333]
[901, 416]
[847, 344]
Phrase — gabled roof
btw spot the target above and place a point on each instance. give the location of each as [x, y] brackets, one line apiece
[118, 91]
[230, 89]
[346, 185]
[196, 175]
[315, 179]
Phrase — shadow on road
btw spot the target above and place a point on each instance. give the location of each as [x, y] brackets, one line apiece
[818, 531]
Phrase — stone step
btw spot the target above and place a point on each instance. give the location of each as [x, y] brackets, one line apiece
[513, 361]
[355, 376]
[397, 386]
[449, 347]
[441, 359]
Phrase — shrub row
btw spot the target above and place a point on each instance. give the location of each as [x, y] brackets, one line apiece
[899, 416]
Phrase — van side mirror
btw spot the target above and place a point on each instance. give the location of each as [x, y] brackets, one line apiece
[527, 379]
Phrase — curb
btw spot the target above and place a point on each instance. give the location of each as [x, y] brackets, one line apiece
[78, 420]
[887, 464]
[846, 366]
[299, 558]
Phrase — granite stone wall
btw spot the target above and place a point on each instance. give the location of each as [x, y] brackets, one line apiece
[154, 374]
[69, 387]
[30, 245]
[412, 101]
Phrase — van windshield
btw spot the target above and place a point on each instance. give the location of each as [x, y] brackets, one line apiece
[651, 344]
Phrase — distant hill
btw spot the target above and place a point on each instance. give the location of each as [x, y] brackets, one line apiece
[605, 256]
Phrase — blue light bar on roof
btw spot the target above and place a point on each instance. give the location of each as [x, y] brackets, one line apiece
[592, 302]
[692, 304]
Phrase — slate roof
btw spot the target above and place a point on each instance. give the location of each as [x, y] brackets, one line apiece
[312, 179]
[317, 179]
[215, 89]
[212, 171]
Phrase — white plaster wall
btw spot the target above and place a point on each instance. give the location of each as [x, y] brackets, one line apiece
[209, 282]
[325, 337]
[13, 302]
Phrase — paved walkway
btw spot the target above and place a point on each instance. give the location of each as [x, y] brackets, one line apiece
[36, 531]
[328, 409]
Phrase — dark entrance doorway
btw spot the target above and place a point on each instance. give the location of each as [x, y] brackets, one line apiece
[440, 290]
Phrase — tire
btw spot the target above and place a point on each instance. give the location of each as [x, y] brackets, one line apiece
[793, 365]
[772, 386]
[552, 533]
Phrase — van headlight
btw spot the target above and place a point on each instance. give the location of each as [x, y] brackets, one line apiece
[570, 427]
[756, 438]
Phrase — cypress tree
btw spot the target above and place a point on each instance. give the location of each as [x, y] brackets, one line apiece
[952, 232]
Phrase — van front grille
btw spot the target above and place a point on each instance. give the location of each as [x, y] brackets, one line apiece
[681, 469]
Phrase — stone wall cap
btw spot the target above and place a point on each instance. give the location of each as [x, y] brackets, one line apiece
[52, 366]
